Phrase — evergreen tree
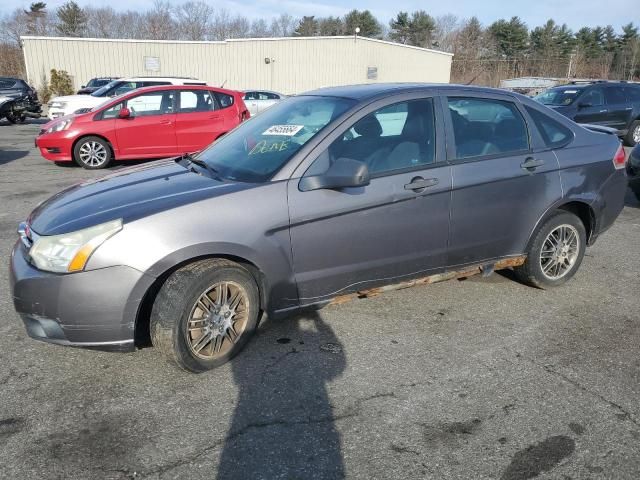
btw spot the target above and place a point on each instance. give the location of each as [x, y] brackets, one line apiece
[72, 20]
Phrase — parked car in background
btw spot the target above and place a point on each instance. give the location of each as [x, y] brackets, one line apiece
[150, 122]
[612, 104]
[633, 170]
[66, 105]
[18, 101]
[335, 192]
[94, 84]
[259, 100]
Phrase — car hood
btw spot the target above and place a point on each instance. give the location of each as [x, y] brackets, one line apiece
[129, 194]
[81, 100]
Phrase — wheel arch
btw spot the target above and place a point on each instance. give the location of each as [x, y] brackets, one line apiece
[580, 208]
[143, 315]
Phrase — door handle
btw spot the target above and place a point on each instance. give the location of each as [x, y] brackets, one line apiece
[531, 163]
[603, 111]
[214, 117]
[165, 122]
[418, 183]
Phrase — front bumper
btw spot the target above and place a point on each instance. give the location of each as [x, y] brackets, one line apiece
[94, 309]
[55, 146]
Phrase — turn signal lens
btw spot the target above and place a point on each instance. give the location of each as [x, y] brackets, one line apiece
[620, 158]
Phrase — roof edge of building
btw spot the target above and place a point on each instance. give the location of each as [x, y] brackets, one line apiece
[218, 42]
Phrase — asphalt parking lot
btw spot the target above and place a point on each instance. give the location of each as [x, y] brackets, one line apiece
[477, 379]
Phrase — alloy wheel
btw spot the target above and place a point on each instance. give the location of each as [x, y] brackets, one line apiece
[93, 154]
[217, 320]
[559, 252]
[636, 134]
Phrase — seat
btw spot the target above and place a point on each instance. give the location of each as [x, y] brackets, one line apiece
[369, 131]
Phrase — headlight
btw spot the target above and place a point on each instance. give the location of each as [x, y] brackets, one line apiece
[57, 104]
[58, 126]
[69, 252]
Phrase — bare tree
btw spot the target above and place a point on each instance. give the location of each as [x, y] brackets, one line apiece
[101, 22]
[283, 26]
[259, 29]
[158, 23]
[447, 28]
[194, 20]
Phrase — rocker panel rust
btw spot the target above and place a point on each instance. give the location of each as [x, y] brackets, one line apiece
[484, 268]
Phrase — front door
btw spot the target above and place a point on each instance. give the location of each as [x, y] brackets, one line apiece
[501, 184]
[390, 230]
[150, 130]
[591, 108]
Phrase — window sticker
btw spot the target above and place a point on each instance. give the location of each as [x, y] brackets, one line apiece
[283, 130]
[571, 91]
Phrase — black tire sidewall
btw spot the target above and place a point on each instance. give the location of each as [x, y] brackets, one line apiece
[534, 270]
[193, 289]
[76, 152]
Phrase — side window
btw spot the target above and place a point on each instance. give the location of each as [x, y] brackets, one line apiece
[483, 126]
[553, 133]
[593, 97]
[112, 112]
[196, 101]
[7, 83]
[272, 96]
[614, 96]
[633, 93]
[396, 137]
[151, 103]
[251, 96]
[152, 84]
[224, 100]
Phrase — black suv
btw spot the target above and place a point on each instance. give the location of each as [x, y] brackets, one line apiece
[611, 104]
[16, 87]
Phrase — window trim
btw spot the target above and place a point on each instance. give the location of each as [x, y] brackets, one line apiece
[299, 164]
[452, 159]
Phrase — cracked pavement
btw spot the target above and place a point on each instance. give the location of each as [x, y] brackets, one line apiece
[477, 379]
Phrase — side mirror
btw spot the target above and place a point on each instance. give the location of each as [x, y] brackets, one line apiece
[345, 172]
[124, 113]
[83, 86]
[585, 105]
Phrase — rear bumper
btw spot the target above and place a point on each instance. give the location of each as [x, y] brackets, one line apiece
[92, 309]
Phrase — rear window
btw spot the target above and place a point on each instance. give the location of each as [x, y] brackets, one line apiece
[224, 99]
[553, 133]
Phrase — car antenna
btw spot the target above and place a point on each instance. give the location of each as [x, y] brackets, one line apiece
[472, 80]
[222, 86]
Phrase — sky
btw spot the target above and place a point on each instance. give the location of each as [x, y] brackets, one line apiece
[575, 13]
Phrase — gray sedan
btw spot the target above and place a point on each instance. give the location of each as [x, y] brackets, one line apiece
[330, 195]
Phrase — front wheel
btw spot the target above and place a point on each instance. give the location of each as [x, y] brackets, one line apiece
[205, 313]
[92, 153]
[555, 253]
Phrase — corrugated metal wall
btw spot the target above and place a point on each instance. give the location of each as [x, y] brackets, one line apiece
[296, 64]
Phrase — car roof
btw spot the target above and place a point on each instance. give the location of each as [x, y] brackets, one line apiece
[372, 90]
[155, 88]
[161, 79]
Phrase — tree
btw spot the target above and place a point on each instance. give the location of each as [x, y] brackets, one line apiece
[283, 25]
[365, 21]
[72, 20]
[446, 30]
[510, 37]
[193, 20]
[416, 30]
[307, 27]
[37, 19]
[259, 29]
[158, 23]
[330, 26]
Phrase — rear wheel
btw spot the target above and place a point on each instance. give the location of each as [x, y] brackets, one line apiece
[92, 153]
[633, 135]
[204, 314]
[556, 252]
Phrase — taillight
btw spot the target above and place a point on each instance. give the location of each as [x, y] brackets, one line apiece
[620, 158]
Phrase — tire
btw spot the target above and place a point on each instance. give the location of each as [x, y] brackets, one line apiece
[181, 304]
[92, 153]
[634, 185]
[539, 255]
[11, 118]
[633, 135]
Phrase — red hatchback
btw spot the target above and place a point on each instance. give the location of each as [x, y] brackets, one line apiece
[151, 122]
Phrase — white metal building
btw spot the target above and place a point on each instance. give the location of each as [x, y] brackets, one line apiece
[289, 65]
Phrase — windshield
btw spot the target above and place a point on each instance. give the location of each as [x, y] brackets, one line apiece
[258, 148]
[102, 91]
[558, 96]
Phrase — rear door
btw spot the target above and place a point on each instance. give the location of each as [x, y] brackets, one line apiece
[150, 131]
[502, 180]
[591, 108]
[392, 229]
[198, 120]
[251, 101]
[619, 106]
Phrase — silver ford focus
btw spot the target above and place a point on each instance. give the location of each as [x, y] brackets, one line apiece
[326, 196]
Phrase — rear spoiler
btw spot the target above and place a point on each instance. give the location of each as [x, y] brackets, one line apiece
[599, 128]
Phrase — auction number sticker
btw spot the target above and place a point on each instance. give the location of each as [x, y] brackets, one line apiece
[283, 130]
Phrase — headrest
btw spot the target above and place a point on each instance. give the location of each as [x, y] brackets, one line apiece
[369, 126]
